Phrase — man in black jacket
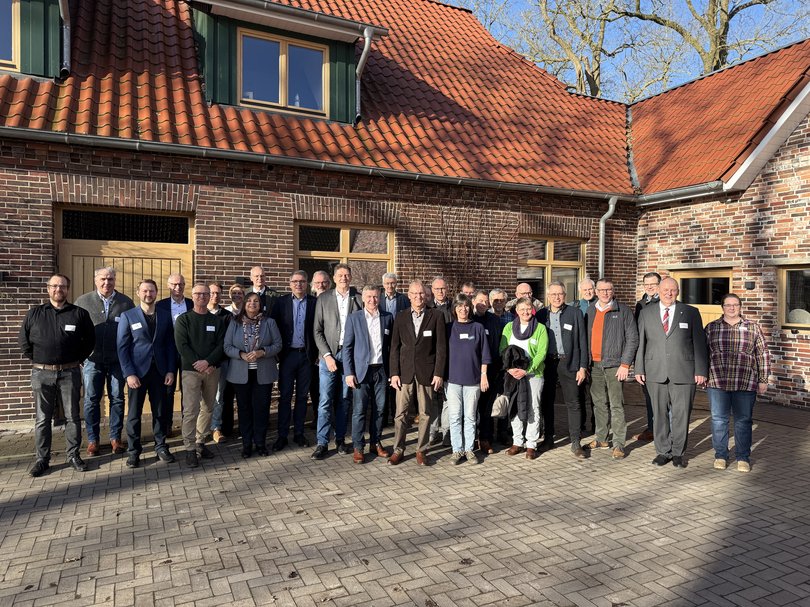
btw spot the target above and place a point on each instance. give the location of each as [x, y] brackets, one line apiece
[566, 362]
[651, 281]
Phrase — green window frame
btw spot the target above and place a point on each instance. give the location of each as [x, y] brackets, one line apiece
[10, 34]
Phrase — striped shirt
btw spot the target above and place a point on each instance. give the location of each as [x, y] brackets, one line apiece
[739, 358]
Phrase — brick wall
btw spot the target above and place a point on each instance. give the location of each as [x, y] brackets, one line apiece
[754, 233]
[245, 213]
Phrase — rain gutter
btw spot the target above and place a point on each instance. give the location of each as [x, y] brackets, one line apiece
[64, 13]
[602, 229]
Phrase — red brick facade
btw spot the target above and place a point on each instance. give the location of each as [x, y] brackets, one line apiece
[755, 233]
[245, 213]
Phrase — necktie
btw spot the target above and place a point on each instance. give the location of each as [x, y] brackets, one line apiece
[666, 320]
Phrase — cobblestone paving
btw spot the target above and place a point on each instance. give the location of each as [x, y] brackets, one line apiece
[286, 530]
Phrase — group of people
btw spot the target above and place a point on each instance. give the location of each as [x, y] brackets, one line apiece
[366, 356]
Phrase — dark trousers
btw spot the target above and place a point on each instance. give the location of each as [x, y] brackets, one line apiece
[294, 371]
[151, 385]
[486, 425]
[53, 389]
[585, 406]
[557, 371]
[672, 407]
[369, 396]
[253, 401]
[648, 402]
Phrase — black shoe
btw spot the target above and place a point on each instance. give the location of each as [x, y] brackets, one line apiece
[301, 440]
[39, 468]
[246, 453]
[133, 461]
[165, 455]
[204, 452]
[192, 461]
[262, 451]
[548, 443]
[661, 460]
[280, 443]
[77, 463]
[342, 449]
[678, 461]
[319, 453]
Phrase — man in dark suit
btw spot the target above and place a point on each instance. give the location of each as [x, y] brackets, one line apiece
[418, 358]
[650, 281]
[147, 354]
[366, 348]
[294, 314]
[176, 304]
[266, 295]
[566, 363]
[672, 360]
[331, 311]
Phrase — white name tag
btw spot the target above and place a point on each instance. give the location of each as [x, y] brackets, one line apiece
[117, 318]
[533, 341]
[683, 325]
[567, 327]
[70, 327]
[210, 328]
[464, 336]
[136, 326]
[486, 331]
[427, 333]
[387, 332]
[743, 328]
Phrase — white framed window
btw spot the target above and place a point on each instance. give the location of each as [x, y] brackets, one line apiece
[283, 73]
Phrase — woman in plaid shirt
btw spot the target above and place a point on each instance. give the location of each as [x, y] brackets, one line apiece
[738, 371]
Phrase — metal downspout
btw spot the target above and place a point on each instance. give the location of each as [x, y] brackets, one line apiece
[367, 36]
[602, 229]
[64, 12]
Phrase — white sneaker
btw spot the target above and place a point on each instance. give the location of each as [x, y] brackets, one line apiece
[719, 464]
[743, 467]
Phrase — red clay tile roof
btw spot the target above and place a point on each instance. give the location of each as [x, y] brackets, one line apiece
[440, 96]
[703, 130]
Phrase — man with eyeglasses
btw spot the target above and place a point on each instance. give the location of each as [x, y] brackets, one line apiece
[524, 289]
[199, 336]
[57, 336]
[294, 314]
[650, 281]
[441, 298]
[321, 283]
[175, 305]
[497, 299]
[612, 343]
[102, 368]
[266, 295]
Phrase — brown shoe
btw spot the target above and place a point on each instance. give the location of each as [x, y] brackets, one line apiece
[358, 458]
[117, 446]
[514, 450]
[421, 459]
[92, 449]
[396, 458]
[485, 447]
[219, 437]
[645, 436]
[381, 451]
[595, 444]
[579, 453]
[618, 453]
[531, 454]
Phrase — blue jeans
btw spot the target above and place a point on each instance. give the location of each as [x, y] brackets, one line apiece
[740, 403]
[294, 371]
[52, 390]
[96, 376]
[373, 387]
[333, 390]
[462, 408]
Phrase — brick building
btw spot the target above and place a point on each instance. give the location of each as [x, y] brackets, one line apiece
[208, 136]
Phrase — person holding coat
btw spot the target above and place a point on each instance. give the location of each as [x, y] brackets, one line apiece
[252, 343]
[530, 336]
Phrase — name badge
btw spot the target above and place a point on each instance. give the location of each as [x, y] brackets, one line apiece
[427, 333]
[117, 318]
[70, 327]
[210, 328]
[486, 331]
[742, 328]
[387, 332]
[683, 325]
[464, 336]
[533, 341]
[567, 327]
[136, 326]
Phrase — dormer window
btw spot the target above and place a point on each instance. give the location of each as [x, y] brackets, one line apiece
[10, 35]
[282, 72]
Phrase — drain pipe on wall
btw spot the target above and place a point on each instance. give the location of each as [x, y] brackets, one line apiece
[367, 36]
[64, 12]
[602, 229]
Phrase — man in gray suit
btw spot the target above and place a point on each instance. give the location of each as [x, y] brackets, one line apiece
[671, 361]
[331, 311]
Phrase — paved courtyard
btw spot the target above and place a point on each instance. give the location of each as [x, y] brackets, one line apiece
[286, 530]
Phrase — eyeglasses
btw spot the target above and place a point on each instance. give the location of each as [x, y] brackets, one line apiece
[604, 290]
[298, 282]
[58, 287]
[731, 305]
[201, 295]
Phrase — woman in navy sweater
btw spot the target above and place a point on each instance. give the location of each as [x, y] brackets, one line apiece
[468, 354]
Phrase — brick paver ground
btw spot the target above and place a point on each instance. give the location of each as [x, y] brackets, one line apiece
[286, 530]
